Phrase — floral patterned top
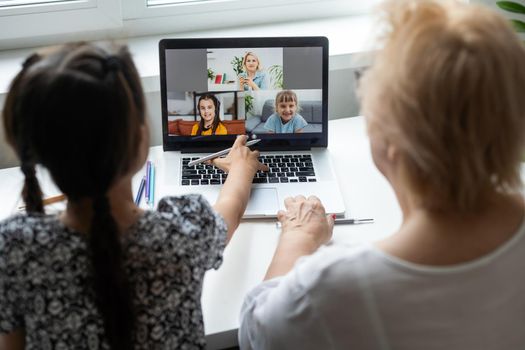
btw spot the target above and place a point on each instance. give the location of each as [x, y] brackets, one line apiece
[45, 274]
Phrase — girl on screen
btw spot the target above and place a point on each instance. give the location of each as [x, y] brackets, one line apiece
[253, 78]
[285, 120]
[104, 273]
[210, 123]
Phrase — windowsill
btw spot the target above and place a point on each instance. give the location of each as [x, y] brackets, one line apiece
[347, 35]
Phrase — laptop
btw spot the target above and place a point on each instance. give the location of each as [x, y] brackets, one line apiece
[216, 88]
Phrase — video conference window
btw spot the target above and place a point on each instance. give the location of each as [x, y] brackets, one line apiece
[244, 90]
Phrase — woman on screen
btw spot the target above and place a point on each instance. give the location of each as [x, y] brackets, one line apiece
[253, 78]
[209, 111]
[445, 114]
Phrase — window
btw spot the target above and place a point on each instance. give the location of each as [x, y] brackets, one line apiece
[151, 3]
[266, 10]
[17, 7]
[34, 22]
[25, 18]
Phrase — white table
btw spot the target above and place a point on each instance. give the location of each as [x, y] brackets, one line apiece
[366, 194]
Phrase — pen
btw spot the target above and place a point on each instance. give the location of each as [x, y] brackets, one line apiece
[152, 185]
[220, 153]
[343, 222]
[141, 190]
[49, 200]
[146, 193]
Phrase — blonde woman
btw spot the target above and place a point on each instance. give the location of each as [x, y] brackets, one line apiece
[446, 119]
[253, 78]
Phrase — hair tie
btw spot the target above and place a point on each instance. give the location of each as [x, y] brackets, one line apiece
[30, 60]
[112, 64]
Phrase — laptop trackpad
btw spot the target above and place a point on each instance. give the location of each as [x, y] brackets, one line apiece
[263, 201]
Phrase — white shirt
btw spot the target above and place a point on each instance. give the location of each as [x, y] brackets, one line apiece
[362, 298]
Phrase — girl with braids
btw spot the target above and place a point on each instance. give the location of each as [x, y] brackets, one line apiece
[103, 274]
[210, 123]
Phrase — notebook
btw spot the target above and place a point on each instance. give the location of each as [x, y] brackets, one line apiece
[272, 89]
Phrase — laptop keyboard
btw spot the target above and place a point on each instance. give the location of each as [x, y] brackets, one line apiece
[284, 168]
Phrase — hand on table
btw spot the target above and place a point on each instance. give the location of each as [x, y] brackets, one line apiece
[305, 227]
[306, 217]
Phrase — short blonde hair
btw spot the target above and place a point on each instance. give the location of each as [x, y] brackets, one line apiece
[245, 57]
[448, 89]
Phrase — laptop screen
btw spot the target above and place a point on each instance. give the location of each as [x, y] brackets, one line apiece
[274, 89]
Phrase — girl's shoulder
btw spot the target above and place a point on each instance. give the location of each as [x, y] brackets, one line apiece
[195, 127]
[33, 236]
[221, 129]
[25, 225]
[178, 207]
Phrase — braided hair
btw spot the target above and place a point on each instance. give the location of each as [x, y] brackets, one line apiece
[77, 111]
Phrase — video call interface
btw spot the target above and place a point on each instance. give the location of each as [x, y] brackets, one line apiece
[237, 91]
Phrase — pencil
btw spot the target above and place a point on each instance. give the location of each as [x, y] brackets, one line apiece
[343, 222]
[49, 200]
[152, 185]
[220, 153]
[141, 190]
[146, 194]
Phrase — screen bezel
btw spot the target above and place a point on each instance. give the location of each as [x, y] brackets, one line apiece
[268, 142]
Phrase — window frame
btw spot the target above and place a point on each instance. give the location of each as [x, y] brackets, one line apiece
[138, 9]
[46, 7]
[114, 19]
[59, 18]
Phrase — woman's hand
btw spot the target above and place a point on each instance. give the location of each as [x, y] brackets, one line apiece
[251, 84]
[247, 81]
[305, 227]
[306, 217]
[241, 83]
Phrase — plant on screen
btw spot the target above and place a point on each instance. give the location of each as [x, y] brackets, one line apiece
[248, 104]
[237, 65]
[276, 74]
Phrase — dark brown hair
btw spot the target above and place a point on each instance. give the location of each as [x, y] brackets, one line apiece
[216, 119]
[77, 111]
